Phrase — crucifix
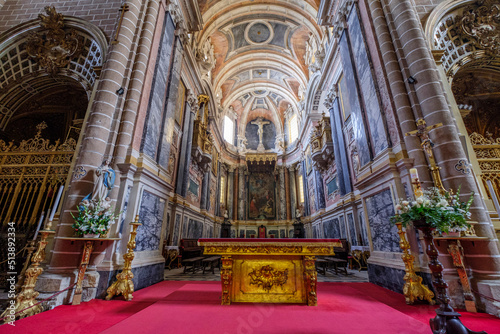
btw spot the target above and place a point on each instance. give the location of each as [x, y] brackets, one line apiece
[124, 8]
[422, 132]
[260, 123]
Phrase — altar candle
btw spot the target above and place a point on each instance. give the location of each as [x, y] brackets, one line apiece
[56, 203]
[39, 224]
[414, 175]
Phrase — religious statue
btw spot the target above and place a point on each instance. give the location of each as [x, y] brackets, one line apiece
[104, 181]
[260, 131]
[225, 226]
[298, 226]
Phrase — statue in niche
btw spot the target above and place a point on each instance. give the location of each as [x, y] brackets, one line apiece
[260, 131]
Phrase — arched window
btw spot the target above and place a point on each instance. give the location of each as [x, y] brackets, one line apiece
[228, 130]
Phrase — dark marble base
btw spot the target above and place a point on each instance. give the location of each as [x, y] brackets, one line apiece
[143, 277]
[392, 278]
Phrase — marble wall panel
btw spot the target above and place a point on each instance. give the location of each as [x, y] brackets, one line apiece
[331, 228]
[194, 229]
[177, 226]
[185, 228]
[367, 84]
[364, 233]
[351, 96]
[151, 212]
[282, 234]
[154, 119]
[352, 229]
[379, 209]
[343, 230]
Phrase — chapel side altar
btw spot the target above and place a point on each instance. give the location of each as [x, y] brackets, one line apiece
[269, 270]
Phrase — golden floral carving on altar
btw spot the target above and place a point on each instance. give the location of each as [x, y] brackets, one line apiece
[53, 48]
[268, 277]
[481, 23]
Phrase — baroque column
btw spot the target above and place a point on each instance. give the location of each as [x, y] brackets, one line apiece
[282, 193]
[185, 151]
[230, 191]
[293, 191]
[241, 194]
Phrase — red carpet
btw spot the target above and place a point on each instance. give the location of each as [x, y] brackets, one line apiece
[193, 307]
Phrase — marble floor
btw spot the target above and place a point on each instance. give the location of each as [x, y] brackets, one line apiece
[178, 275]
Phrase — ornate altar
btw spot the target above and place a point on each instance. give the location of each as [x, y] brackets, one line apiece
[269, 270]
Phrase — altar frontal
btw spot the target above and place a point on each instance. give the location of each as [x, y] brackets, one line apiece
[269, 271]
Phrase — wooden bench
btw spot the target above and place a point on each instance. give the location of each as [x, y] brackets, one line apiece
[192, 264]
[213, 261]
[337, 263]
[321, 266]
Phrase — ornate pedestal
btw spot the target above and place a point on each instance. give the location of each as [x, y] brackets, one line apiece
[457, 254]
[269, 271]
[87, 251]
[447, 319]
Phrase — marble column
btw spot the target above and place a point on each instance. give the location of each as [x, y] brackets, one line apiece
[319, 190]
[230, 191]
[241, 194]
[293, 191]
[282, 193]
[205, 185]
[307, 210]
[217, 199]
[186, 144]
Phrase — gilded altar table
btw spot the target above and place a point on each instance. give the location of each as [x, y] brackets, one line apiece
[269, 270]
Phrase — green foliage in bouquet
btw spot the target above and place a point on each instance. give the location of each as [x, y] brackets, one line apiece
[444, 212]
[93, 219]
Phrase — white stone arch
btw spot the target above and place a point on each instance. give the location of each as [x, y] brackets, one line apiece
[226, 12]
[23, 78]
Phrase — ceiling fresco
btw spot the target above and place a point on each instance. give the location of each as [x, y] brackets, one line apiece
[259, 46]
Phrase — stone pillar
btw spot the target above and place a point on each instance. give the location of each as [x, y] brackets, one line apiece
[205, 185]
[230, 191]
[307, 210]
[287, 193]
[241, 194]
[319, 191]
[448, 151]
[133, 93]
[102, 122]
[282, 193]
[186, 145]
[293, 191]
[400, 95]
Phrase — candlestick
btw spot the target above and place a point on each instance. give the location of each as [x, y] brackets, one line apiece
[417, 190]
[56, 203]
[39, 224]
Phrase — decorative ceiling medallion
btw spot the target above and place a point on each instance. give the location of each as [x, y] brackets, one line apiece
[259, 32]
[481, 23]
[53, 48]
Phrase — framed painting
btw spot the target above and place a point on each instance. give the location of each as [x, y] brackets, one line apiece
[261, 196]
[179, 105]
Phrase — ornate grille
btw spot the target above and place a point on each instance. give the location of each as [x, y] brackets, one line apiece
[30, 175]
